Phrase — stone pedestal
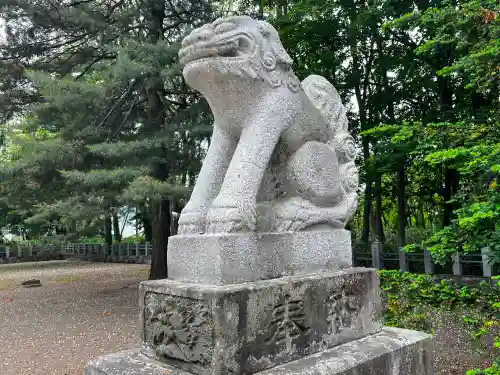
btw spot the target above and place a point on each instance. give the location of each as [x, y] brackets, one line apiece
[392, 351]
[220, 259]
[240, 321]
[245, 328]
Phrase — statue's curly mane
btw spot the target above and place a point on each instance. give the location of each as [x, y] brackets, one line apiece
[270, 63]
[326, 99]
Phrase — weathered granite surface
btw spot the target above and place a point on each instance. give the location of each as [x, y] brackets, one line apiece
[252, 286]
[280, 157]
[392, 351]
[242, 257]
[245, 328]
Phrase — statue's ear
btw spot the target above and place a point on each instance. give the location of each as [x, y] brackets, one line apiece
[282, 56]
[272, 36]
[264, 27]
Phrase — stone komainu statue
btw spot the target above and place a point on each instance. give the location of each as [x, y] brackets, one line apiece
[280, 157]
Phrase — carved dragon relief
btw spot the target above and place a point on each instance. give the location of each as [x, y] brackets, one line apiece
[280, 158]
[178, 328]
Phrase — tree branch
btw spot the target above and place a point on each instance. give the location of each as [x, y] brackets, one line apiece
[134, 102]
[368, 67]
[119, 101]
[92, 63]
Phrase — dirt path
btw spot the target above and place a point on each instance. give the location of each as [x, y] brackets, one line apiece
[80, 312]
[85, 310]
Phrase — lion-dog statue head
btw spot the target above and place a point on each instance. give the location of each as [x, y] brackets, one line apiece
[236, 48]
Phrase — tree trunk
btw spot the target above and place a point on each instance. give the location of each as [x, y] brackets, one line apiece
[450, 175]
[261, 9]
[388, 95]
[281, 8]
[146, 224]
[160, 213]
[379, 226]
[116, 228]
[367, 210]
[451, 186]
[422, 217]
[108, 235]
[362, 68]
[367, 207]
[174, 207]
[401, 184]
[72, 227]
[161, 231]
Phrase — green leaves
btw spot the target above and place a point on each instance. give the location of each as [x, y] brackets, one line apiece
[474, 153]
[447, 156]
[145, 187]
[476, 214]
[100, 179]
[137, 59]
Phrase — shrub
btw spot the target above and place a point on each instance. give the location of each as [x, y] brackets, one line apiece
[133, 239]
[493, 370]
[411, 299]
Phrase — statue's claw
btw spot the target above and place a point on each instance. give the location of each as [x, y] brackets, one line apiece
[288, 224]
[231, 219]
[296, 214]
[191, 223]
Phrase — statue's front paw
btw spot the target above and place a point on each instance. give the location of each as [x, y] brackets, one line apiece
[231, 219]
[191, 223]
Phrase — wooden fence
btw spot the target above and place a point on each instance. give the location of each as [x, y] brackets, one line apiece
[422, 262]
[133, 253]
[128, 253]
[376, 257]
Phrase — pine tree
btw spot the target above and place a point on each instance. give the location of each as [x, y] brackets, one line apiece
[109, 94]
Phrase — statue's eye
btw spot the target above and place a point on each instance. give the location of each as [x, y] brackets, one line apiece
[224, 27]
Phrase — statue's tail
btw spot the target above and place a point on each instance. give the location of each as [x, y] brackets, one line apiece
[326, 99]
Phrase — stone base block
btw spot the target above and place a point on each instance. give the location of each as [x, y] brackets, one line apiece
[392, 351]
[242, 257]
[245, 328]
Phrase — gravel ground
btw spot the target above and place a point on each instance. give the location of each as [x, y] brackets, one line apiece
[83, 310]
[455, 352]
[80, 311]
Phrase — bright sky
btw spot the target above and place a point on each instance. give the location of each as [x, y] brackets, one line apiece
[2, 29]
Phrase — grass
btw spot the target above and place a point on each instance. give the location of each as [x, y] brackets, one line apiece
[142, 273]
[68, 279]
[6, 284]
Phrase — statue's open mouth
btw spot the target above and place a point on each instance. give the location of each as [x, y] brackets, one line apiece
[234, 47]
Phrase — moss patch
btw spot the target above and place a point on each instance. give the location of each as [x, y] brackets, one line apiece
[68, 279]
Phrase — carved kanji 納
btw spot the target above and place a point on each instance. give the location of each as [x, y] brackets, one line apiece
[342, 307]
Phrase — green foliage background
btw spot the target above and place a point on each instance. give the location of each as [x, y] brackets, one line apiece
[97, 120]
